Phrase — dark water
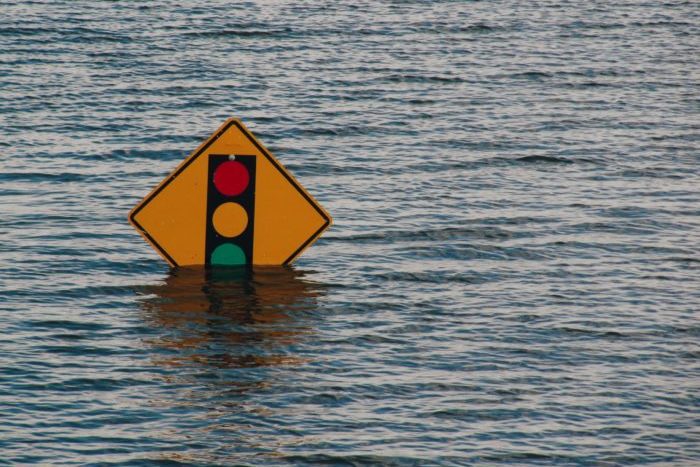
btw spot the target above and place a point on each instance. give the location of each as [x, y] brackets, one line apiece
[513, 276]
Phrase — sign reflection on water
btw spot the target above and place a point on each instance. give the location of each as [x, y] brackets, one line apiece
[230, 317]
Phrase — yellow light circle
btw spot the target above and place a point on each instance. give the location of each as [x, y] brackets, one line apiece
[230, 219]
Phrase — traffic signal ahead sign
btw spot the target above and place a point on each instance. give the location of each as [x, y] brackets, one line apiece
[229, 203]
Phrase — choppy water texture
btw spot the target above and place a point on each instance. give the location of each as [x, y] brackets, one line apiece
[512, 277]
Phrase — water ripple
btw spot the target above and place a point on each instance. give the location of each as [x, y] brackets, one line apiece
[512, 277]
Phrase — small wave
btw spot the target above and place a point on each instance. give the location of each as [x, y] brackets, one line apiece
[591, 333]
[482, 415]
[646, 24]
[684, 259]
[456, 29]
[45, 176]
[479, 27]
[590, 84]
[353, 459]
[435, 277]
[531, 75]
[132, 154]
[78, 34]
[545, 160]
[244, 33]
[587, 25]
[650, 173]
[446, 233]
[56, 324]
[412, 78]
[24, 31]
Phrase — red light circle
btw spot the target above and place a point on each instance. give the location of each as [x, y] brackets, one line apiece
[231, 178]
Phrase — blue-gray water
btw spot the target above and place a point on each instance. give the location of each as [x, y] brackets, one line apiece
[513, 276]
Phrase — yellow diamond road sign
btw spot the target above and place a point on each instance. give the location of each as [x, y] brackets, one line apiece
[230, 203]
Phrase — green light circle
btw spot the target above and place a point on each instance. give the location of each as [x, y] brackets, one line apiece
[228, 254]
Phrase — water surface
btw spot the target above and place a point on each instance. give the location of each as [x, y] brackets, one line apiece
[512, 278]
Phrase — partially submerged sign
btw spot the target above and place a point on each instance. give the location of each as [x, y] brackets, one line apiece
[230, 203]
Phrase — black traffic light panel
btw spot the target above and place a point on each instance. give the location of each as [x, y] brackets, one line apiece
[230, 210]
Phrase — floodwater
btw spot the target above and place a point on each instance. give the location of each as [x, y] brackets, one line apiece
[513, 276]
